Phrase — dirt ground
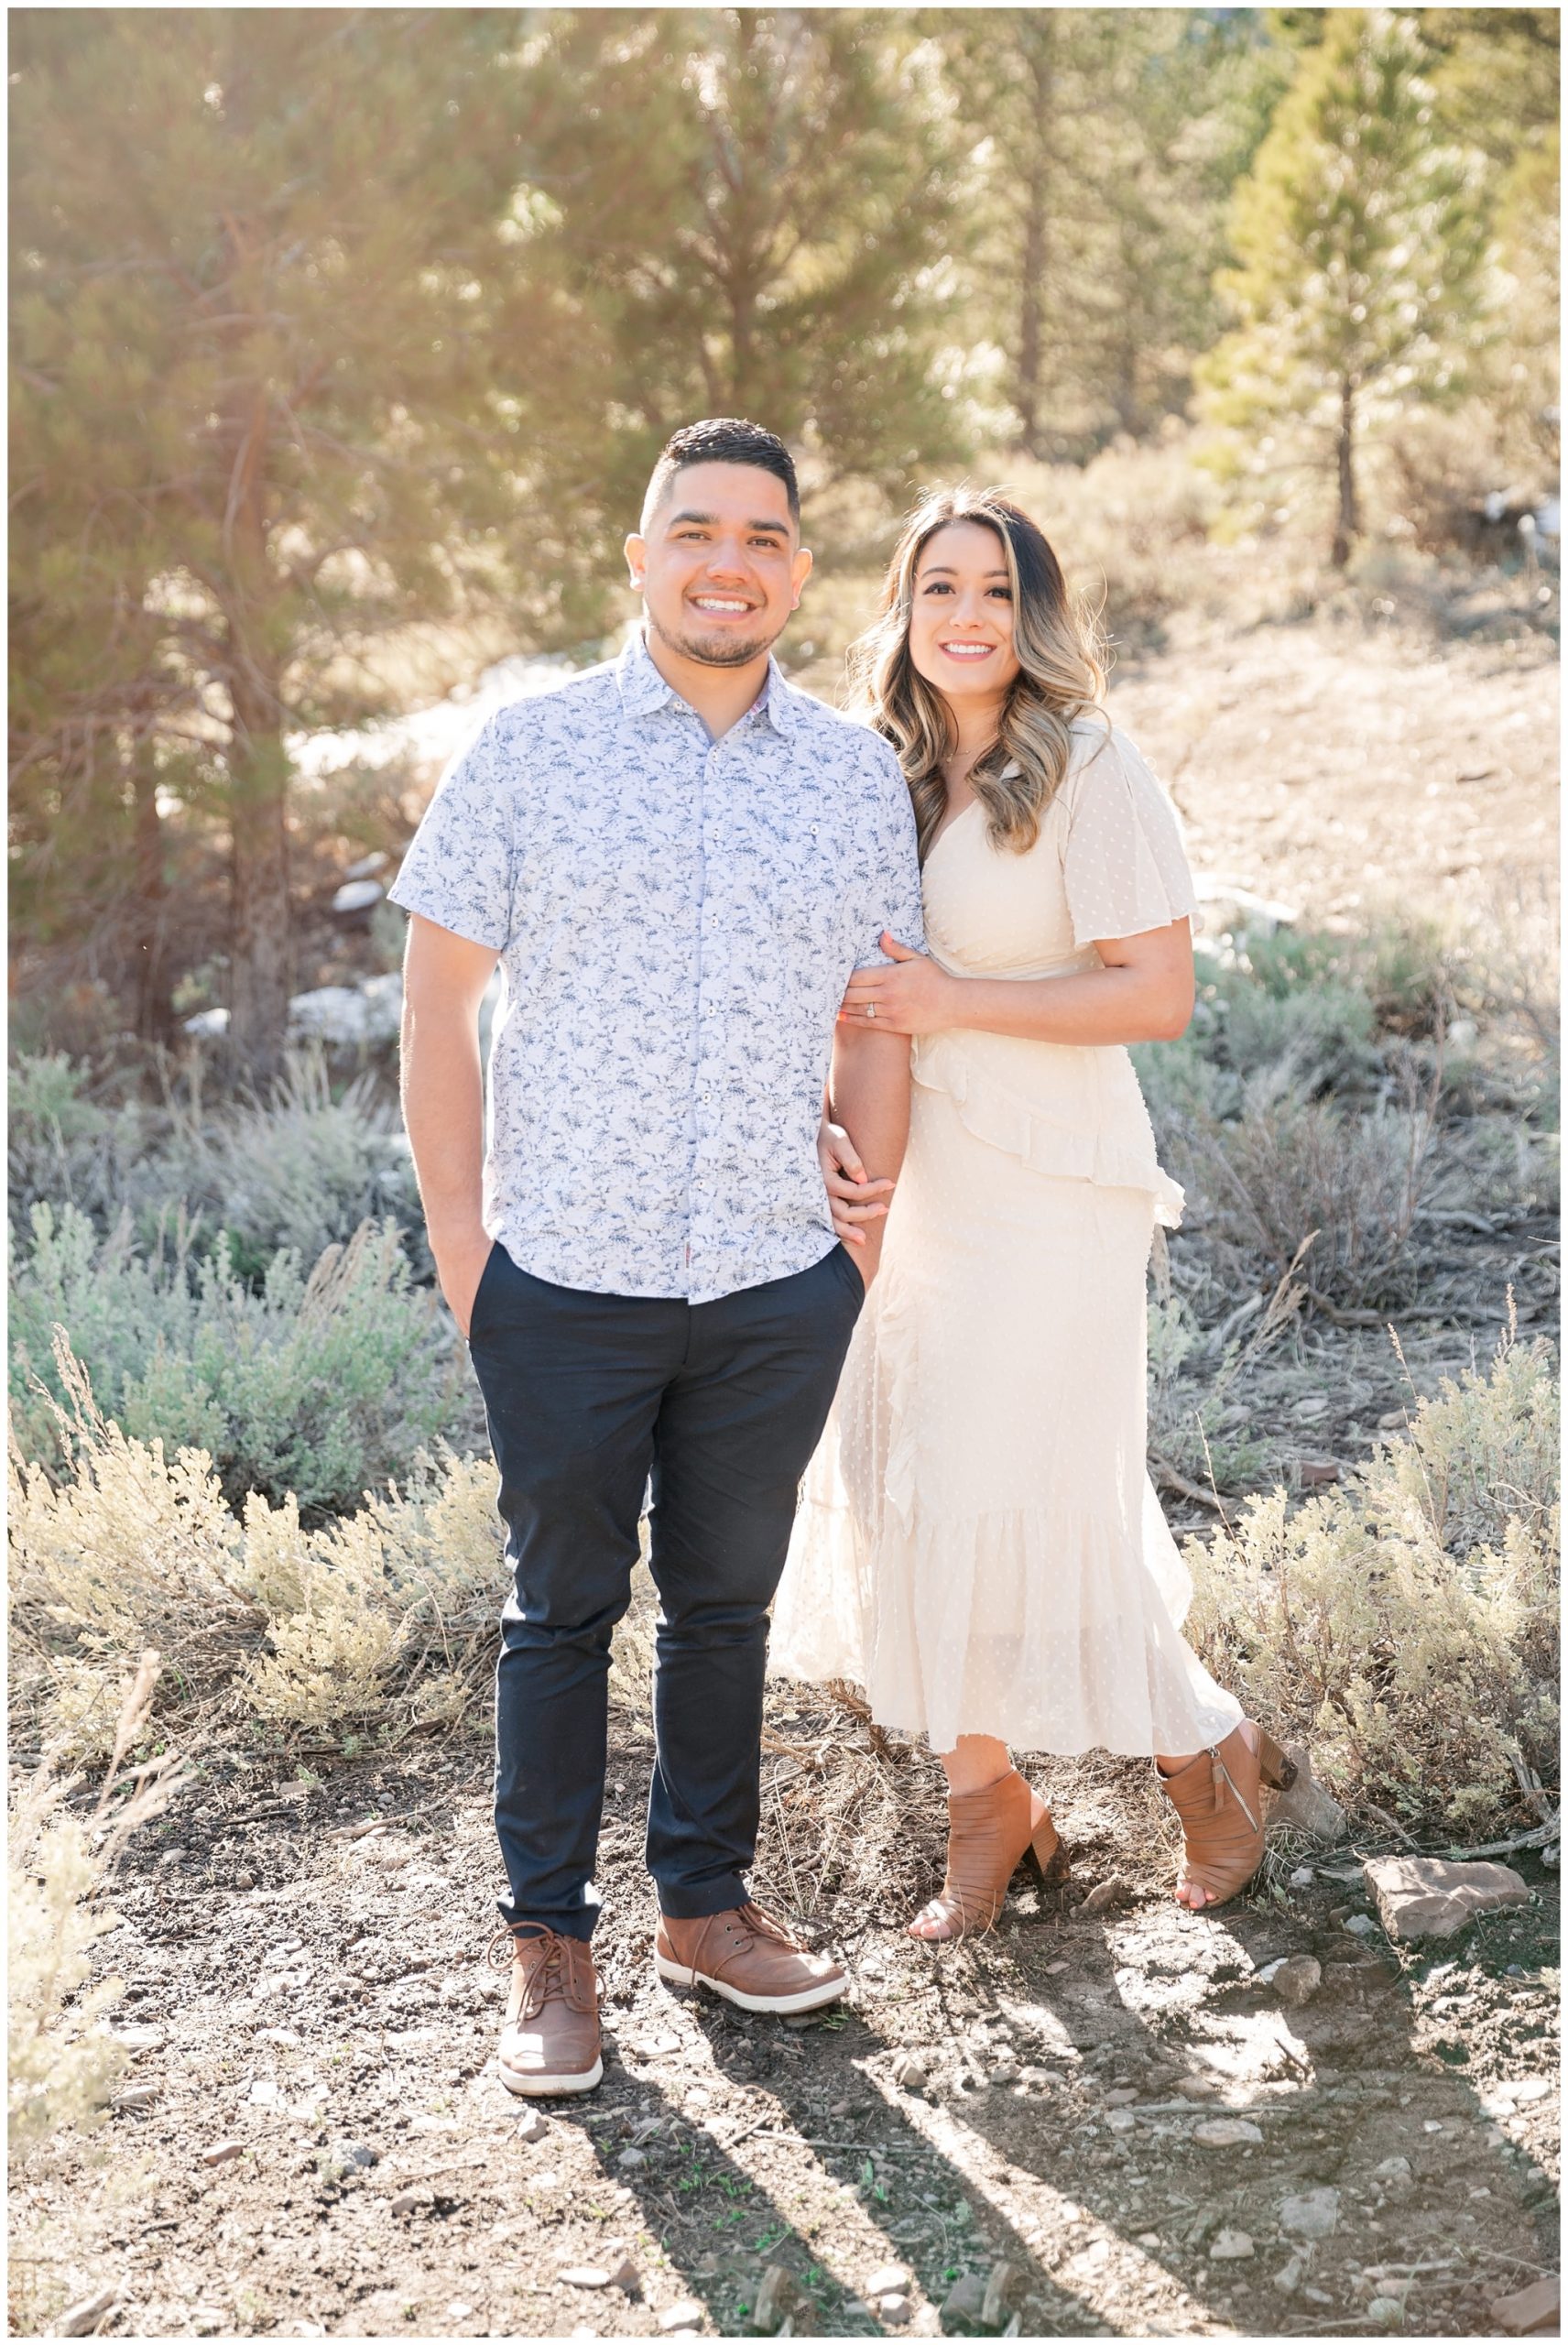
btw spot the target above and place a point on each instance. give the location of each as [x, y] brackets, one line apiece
[310, 2139]
[320, 2002]
[1346, 773]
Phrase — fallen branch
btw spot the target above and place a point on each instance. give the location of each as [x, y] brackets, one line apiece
[1533, 1787]
[1228, 1327]
[1541, 1837]
[1165, 1474]
[1392, 1823]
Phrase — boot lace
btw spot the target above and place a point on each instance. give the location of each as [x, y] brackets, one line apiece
[756, 1924]
[556, 1977]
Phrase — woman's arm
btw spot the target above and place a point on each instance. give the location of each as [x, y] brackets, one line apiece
[1143, 994]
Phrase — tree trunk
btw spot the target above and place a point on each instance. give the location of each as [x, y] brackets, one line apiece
[1347, 521]
[260, 976]
[154, 990]
[260, 948]
[1036, 177]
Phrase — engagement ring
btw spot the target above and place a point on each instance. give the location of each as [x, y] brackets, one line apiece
[871, 1010]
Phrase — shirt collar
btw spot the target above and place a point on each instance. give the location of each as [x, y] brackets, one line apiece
[643, 688]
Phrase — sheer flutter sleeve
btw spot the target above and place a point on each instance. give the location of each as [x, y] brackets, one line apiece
[1124, 862]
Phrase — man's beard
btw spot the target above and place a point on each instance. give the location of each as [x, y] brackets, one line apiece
[714, 651]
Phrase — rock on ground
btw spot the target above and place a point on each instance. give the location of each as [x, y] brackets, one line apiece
[1311, 2214]
[1426, 1897]
[1532, 2311]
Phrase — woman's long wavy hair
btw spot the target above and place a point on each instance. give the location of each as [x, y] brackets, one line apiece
[1061, 675]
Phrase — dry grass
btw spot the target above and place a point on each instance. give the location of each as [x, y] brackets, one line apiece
[381, 1622]
[1309, 1185]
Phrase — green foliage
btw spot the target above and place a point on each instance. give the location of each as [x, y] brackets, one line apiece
[335, 332]
[318, 1385]
[745, 211]
[1103, 147]
[255, 421]
[64, 1144]
[1497, 77]
[1291, 1019]
[1296, 1014]
[1406, 1625]
[1361, 241]
[1192, 1423]
[302, 1169]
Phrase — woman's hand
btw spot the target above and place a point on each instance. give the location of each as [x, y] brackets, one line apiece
[913, 997]
[851, 1196]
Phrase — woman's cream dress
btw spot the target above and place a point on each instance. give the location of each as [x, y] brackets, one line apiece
[978, 1543]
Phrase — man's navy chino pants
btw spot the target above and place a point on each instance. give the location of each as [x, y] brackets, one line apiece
[590, 1397]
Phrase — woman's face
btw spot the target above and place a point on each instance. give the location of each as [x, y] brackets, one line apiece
[960, 621]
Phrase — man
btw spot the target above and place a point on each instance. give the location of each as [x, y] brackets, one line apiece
[678, 859]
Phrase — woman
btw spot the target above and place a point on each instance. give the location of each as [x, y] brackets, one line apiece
[979, 1545]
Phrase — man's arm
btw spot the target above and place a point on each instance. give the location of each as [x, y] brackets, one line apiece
[444, 977]
[868, 1094]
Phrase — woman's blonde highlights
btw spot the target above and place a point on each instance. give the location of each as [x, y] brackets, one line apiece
[1060, 676]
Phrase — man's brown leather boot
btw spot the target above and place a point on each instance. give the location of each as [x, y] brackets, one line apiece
[747, 1957]
[550, 2041]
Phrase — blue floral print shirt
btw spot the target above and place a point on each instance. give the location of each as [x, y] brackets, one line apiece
[676, 919]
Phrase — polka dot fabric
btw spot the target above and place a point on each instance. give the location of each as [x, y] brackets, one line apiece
[1123, 864]
[978, 1543]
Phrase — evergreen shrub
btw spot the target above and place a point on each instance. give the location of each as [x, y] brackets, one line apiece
[302, 1169]
[316, 1386]
[387, 1615]
[1405, 1625]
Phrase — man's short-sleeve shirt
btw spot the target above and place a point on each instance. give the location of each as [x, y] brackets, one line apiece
[676, 919]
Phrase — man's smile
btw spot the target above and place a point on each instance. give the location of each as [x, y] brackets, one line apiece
[722, 606]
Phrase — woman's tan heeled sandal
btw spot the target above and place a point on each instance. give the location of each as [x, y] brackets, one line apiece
[1219, 1798]
[989, 1833]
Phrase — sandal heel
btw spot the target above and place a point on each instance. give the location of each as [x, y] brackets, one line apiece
[1046, 1856]
[989, 1835]
[1276, 1770]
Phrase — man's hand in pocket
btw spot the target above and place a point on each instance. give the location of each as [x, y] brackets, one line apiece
[459, 1266]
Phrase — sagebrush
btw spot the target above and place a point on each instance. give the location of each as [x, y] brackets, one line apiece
[377, 1621]
[63, 2062]
[1405, 1625]
[317, 1385]
[302, 1167]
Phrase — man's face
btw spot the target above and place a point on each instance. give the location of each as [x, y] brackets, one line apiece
[720, 567]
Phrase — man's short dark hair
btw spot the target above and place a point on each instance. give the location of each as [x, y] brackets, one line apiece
[722, 440]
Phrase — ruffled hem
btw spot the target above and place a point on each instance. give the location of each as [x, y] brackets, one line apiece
[1052, 1629]
[1061, 1151]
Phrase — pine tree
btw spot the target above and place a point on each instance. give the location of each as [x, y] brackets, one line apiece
[1104, 143]
[748, 212]
[1362, 251]
[1497, 75]
[254, 414]
[1014, 73]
